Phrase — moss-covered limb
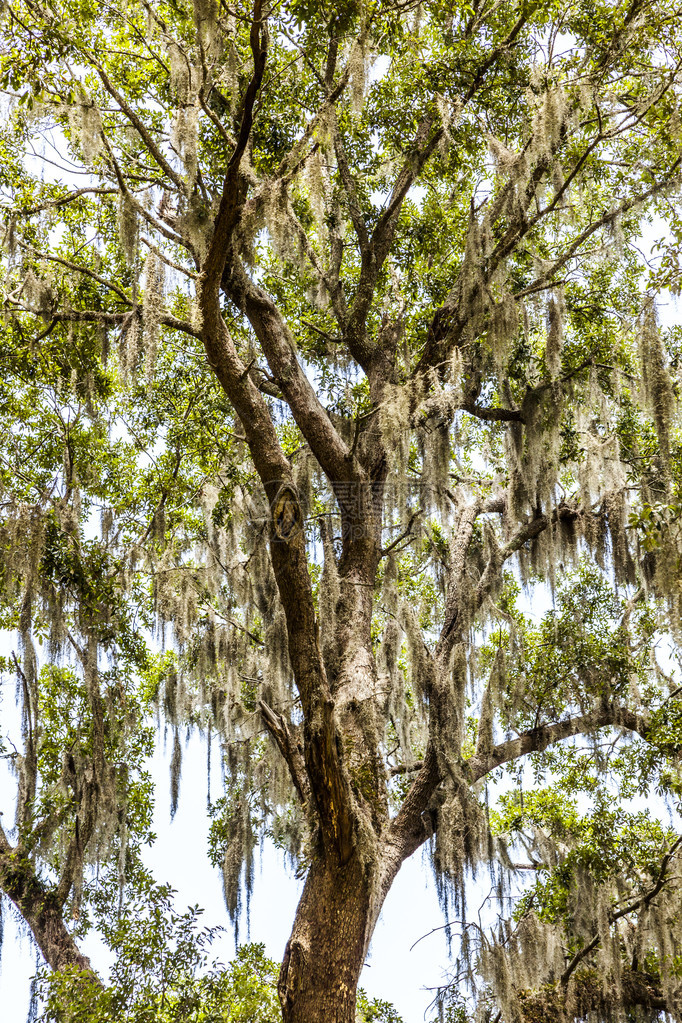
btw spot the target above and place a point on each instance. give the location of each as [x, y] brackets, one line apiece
[632, 907]
[290, 566]
[64, 200]
[108, 319]
[277, 344]
[467, 301]
[536, 740]
[84, 826]
[327, 775]
[409, 824]
[328, 781]
[409, 830]
[224, 267]
[453, 620]
[28, 764]
[627, 948]
[41, 909]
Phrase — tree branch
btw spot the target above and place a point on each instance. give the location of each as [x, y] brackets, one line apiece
[50, 204]
[328, 780]
[41, 910]
[86, 271]
[492, 415]
[374, 250]
[409, 829]
[354, 208]
[459, 544]
[273, 334]
[112, 319]
[607, 218]
[290, 750]
[535, 740]
[137, 123]
[644, 900]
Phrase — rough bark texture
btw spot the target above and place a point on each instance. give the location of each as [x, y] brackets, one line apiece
[326, 951]
[40, 908]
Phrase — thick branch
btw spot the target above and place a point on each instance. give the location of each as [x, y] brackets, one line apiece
[428, 779]
[459, 545]
[83, 829]
[423, 146]
[259, 49]
[535, 740]
[492, 415]
[40, 909]
[413, 826]
[328, 780]
[409, 822]
[275, 339]
[410, 828]
[224, 265]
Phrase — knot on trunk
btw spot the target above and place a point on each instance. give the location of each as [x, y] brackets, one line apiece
[291, 974]
[287, 518]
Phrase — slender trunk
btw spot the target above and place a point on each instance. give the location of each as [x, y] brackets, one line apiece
[326, 951]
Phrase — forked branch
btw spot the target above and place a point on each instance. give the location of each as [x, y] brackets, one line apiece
[618, 914]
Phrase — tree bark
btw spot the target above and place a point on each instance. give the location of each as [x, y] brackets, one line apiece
[326, 951]
[41, 909]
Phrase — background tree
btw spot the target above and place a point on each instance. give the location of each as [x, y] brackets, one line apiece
[328, 351]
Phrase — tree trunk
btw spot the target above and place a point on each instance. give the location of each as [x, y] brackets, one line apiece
[326, 951]
[40, 909]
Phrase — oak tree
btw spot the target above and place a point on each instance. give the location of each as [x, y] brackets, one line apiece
[340, 423]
